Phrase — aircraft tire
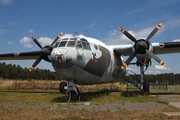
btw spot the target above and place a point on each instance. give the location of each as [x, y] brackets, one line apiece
[146, 87]
[73, 97]
[61, 87]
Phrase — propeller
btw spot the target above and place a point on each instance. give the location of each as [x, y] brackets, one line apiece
[141, 46]
[45, 51]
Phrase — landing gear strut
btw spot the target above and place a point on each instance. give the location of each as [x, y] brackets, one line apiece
[71, 90]
[144, 83]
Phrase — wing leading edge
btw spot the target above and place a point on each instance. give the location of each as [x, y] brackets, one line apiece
[158, 48]
[20, 56]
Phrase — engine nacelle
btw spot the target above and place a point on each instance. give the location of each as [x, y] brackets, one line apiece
[140, 46]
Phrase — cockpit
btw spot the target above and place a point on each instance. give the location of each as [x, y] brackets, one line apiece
[73, 42]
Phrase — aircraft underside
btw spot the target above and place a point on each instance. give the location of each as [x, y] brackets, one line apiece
[81, 77]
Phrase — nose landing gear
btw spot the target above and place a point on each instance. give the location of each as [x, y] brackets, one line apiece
[71, 90]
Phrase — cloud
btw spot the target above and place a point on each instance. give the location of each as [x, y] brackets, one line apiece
[45, 41]
[6, 2]
[92, 25]
[173, 22]
[26, 41]
[10, 43]
[116, 37]
[176, 40]
[31, 31]
[12, 23]
[159, 67]
[134, 11]
[3, 32]
[67, 35]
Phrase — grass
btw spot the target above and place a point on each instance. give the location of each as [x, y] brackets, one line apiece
[46, 105]
[44, 102]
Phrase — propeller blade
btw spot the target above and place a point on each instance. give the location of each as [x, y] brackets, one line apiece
[128, 34]
[154, 32]
[35, 64]
[59, 35]
[156, 58]
[37, 43]
[129, 60]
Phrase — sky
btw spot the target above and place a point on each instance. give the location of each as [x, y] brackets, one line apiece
[99, 19]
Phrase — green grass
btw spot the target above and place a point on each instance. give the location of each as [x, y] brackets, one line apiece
[43, 105]
[56, 97]
[111, 97]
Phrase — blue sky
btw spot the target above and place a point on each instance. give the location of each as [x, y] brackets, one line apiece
[100, 18]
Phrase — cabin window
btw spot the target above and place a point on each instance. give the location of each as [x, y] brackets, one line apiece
[95, 46]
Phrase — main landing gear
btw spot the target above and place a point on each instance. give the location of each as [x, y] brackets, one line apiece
[71, 90]
[144, 83]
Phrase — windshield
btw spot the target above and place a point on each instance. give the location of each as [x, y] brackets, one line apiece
[73, 42]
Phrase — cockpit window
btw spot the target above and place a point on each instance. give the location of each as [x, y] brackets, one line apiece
[71, 43]
[83, 40]
[57, 43]
[62, 44]
[65, 39]
[78, 45]
[73, 38]
[85, 44]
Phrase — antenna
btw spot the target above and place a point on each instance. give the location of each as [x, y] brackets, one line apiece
[85, 31]
[76, 33]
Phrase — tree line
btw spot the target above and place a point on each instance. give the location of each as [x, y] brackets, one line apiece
[12, 71]
[170, 78]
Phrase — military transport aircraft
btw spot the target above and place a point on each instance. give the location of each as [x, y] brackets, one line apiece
[86, 61]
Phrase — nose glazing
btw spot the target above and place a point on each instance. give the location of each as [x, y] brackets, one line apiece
[63, 57]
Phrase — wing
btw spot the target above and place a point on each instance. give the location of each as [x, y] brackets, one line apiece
[20, 56]
[158, 48]
[124, 50]
[166, 47]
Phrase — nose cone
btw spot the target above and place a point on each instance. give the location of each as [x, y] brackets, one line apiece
[63, 58]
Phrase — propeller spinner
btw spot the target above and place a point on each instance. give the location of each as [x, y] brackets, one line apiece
[45, 51]
[141, 46]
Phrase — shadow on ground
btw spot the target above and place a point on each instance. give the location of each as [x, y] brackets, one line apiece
[89, 96]
[85, 96]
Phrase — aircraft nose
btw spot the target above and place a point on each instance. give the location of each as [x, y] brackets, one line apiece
[63, 57]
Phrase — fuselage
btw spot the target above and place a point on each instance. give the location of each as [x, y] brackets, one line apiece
[86, 61]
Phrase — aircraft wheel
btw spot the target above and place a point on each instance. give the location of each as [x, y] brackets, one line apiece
[146, 87]
[73, 97]
[61, 87]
